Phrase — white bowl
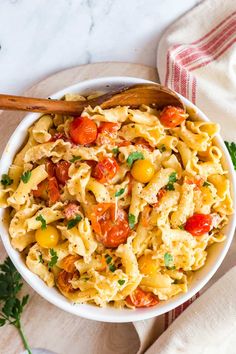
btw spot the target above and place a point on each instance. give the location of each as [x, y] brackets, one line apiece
[217, 252]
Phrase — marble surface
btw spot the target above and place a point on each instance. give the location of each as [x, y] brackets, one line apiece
[40, 37]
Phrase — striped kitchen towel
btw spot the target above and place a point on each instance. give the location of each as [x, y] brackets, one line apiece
[197, 58]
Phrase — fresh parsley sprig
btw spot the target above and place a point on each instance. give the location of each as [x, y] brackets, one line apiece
[73, 222]
[134, 156]
[54, 258]
[172, 180]
[6, 180]
[11, 307]
[26, 177]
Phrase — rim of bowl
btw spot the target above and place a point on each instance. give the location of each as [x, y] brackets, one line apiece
[94, 312]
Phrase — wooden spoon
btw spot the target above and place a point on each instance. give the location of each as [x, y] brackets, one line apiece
[133, 96]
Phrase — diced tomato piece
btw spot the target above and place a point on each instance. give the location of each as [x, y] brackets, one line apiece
[112, 228]
[106, 169]
[108, 128]
[50, 168]
[197, 181]
[124, 143]
[83, 131]
[145, 217]
[172, 116]
[199, 224]
[42, 190]
[61, 171]
[140, 298]
[53, 190]
[71, 210]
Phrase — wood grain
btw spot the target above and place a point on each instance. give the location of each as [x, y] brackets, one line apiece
[45, 325]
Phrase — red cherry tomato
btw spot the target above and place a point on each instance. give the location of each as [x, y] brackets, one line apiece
[61, 171]
[172, 116]
[124, 143]
[199, 224]
[108, 128]
[111, 229]
[42, 190]
[140, 298]
[53, 190]
[50, 168]
[106, 169]
[83, 131]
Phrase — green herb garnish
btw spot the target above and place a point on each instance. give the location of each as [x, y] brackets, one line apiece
[181, 227]
[112, 267]
[43, 221]
[74, 222]
[75, 158]
[133, 157]
[6, 180]
[172, 179]
[54, 258]
[120, 192]
[168, 260]
[162, 148]
[108, 259]
[41, 258]
[121, 281]
[26, 176]
[115, 151]
[206, 184]
[232, 151]
[11, 307]
[131, 219]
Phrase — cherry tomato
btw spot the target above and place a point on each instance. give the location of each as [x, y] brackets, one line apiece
[143, 171]
[112, 228]
[53, 190]
[61, 171]
[124, 143]
[197, 181]
[106, 169]
[140, 298]
[64, 282]
[108, 128]
[83, 131]
[50, 168]
[48, 237]
[146, 215]
[68, 263]
[172, 116]
[42, 190]
[199, 224]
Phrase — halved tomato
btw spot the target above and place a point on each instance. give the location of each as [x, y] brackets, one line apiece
[61, 171]
[172, 116]
[106, 169]
[140, 298]
[199, 224]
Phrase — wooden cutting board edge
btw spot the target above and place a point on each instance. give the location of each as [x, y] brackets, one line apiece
[45, 325]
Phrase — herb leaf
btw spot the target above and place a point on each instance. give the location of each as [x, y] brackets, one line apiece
[72, 223]
[181, 227]
[172, 179]
[11, 307]
[75, 158]
[232, 151]
[133, 157]
[26, 176]
[115, 151]
[54, 258]
[43, 221]
[108, 259]
[162, 148]
[41, 258]
[120, 192]
[131, 219]
[112, 267]
[168, 260]
[121, 281]
[206, 184]
[6, 180]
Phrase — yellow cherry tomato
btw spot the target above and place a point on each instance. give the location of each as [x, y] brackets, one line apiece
[143, 171]
[147, 265]
[48, 237]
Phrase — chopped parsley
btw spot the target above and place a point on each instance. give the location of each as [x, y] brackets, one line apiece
[26, 176]
[121, 281]
[6, 180]
[108, 259]
[172, 179]
[112, 267]
[206, 184]
[43, 221]
[115, 151]
[181, 227]
[74, 222]
[162, 148]
[168, 260]
[75, 158]
[120, 192]
[133, 157]
[232, 151]
[131, 219]
[41, 258]
[54, 258]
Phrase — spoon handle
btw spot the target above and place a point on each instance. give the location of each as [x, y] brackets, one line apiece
[18, 103]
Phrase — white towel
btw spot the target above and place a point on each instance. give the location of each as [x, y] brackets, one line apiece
[197, 58]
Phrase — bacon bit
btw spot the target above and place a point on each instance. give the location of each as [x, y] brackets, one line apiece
[146, 216]
[68, 263]
[160, 195]
[58, 136]
[143, 143]
[124, 143]
[71, 210]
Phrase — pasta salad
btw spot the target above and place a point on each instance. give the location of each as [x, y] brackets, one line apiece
[117, 206]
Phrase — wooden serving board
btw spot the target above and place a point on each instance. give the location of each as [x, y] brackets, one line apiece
[45, 325]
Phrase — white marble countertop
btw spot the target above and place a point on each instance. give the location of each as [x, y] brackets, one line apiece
[40, 37]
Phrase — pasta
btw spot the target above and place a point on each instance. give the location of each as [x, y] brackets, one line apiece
[119, 206]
